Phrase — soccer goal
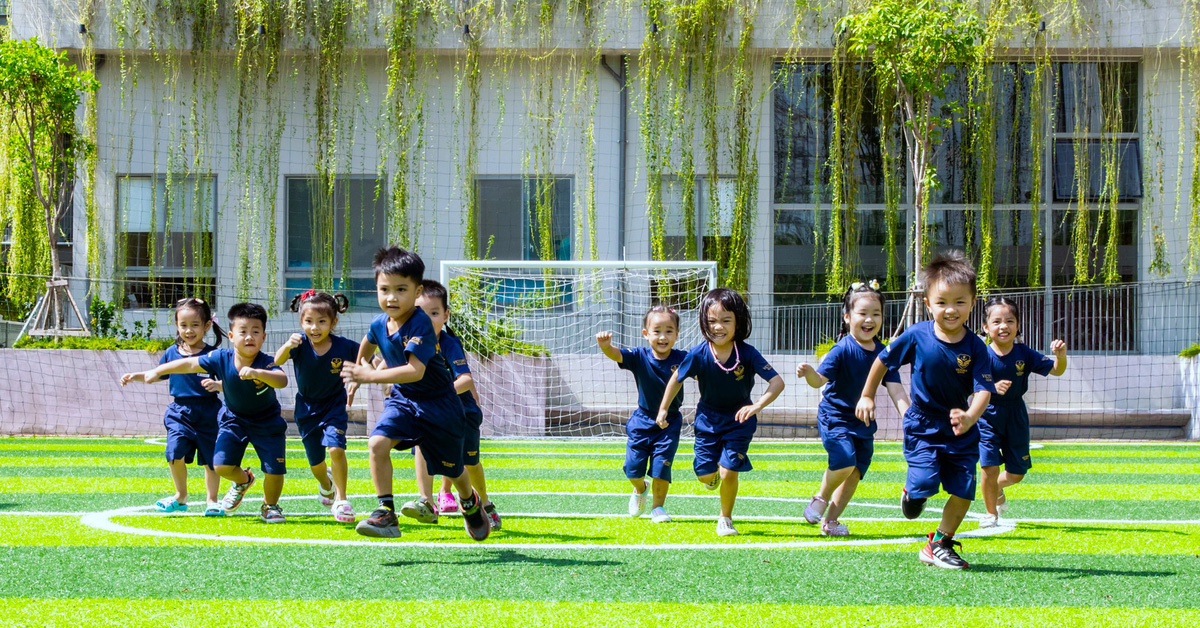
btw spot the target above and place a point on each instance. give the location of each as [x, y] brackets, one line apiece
[530, 332]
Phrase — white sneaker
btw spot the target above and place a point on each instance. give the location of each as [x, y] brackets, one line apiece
[343, 511]
[989, 521]
[815, 510]
[637, 502]
[659, 515]
[1001, 504]
[725, 527]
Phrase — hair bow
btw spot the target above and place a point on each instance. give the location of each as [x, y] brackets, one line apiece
[308, 295]
[859, 285]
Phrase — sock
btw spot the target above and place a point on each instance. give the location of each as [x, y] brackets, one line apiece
[939, 535]
[386, 501]
[469, 502]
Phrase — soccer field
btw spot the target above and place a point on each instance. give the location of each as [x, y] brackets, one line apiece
[1105, 534]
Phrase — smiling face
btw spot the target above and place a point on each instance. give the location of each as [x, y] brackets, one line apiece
[437, 314]
[722, 325]
[247, 336]
[865, 317]
[950, 305]
[397, 295]
[191, 328]
[1001, 326]
[661, 332]
[316, 323]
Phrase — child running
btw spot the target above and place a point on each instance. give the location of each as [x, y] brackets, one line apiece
[436, 303]
[650, 444]
[422, 408]
[251, 414]
[849, 441]
[318, 355]
[941, 440]
[191, 417]
[1004, 427]
[725, 366]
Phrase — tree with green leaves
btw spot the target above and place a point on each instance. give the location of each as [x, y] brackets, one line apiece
[40, 90]
[913, 44]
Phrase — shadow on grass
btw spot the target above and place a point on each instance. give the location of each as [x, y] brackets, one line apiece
[7, 506]
[1085, 529]
[507, 557]
[1071, 573]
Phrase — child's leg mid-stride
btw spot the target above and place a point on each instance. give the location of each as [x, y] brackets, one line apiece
[382, 523]
[179, 479]
[935, 465]
[423, 508]
[212, 484]
[721, 455]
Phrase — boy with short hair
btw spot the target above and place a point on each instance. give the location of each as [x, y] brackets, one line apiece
[422, 408]
[251, 414]
[941, 438]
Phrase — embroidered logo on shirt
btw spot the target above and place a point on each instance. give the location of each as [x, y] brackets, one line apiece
[335, 365]
[738, 371]
[674, 368]
[1020, 368]
[964, 362]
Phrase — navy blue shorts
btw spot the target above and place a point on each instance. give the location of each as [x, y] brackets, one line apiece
[436, 425]
[192, 429]
[651, 446]
[474, 421]
[1004, 438]
[267, 435]
[846, 447]
[322, 424]
[722, 441]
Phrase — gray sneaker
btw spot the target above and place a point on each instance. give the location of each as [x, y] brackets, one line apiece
[271, 514]
[421, 510]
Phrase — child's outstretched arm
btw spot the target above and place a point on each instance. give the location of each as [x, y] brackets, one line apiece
[810, 375]
[365, 373]
[182, 366]
[664, 408]
[271, 377]
[1059, 348]
[774, 387]
[604, 339]
[865, 411]
[899, 396]
[285, 351]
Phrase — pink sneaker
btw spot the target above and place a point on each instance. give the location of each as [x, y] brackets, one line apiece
[815, 510]
[446, 503]
[833, 528]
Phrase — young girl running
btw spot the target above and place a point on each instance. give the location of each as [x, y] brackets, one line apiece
[318, 355]
[191, 417]
[849, 441]
[436, 303]
[648, 443]
[1004, 426]
[724, 365]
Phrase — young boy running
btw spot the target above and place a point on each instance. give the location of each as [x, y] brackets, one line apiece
[941, 438]
[423, 408]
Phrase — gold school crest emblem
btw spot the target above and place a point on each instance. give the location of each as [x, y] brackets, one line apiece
[738, 371]
[964, 362]
[335, 365]
[1020, 367]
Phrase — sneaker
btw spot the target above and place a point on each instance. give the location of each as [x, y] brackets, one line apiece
[493, 516]
[421, 510]
[637, 502]
[941, 554]
[446, 503]
[1001, 504]
[381, 524]
[912, 508]
[659, 515]
[834, 528]
[716, 483]
[214, 510]
[725, 527]
[343, 511]
[233, 497]
[169, 504]
[323, 496]
[815, 510]
[271, 514]
[478, 525]
[989, 521]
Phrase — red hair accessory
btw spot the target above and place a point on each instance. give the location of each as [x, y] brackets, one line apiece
[304, 296]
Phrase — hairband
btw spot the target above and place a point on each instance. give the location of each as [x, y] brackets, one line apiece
[214, 319]
[304, 296]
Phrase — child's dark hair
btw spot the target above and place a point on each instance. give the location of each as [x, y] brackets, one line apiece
[251, 311]
[950, 269]
[328, 304]
[431, 289]
[730, 301]
[397, 261]
[661, 309]
[859, 290]
[204, 310]
[999, 301]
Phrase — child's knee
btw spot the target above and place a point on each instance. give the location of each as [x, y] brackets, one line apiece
[337, 453]
[380, 446]
[1015, 478]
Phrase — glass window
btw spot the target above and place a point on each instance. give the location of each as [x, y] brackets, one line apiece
[509, 217]
[1098, 97]
[166, 225]
[1127, 157]
[359, 221]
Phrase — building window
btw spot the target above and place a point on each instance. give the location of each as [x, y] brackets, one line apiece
[713, 223]
[509, 227]
[166, 238]
[351, 232]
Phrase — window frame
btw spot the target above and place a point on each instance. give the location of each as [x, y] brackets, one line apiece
[526, 228]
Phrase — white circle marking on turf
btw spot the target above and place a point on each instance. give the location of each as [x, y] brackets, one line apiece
[103, 521]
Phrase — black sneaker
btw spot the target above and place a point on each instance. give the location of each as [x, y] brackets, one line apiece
[941, 554]
[381, 524]
[912, 508]
[494, 516]
[476, 522]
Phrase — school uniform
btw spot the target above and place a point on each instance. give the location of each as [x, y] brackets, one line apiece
[1004, 427]
[452, 350]
[647, 445]
[191, 417]
[847, 440]
[321, 395]
[250, 416]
